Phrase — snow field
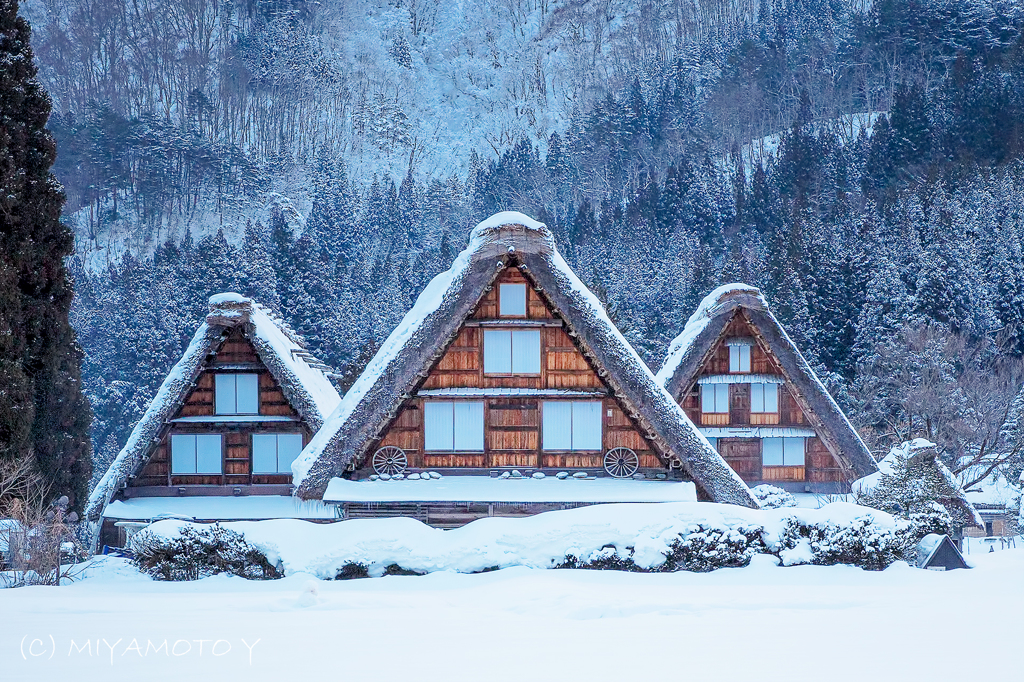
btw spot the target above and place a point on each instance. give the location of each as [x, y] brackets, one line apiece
[757, 623]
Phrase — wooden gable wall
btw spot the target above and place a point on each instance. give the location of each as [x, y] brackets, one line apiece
[513, 424]
[235, 354]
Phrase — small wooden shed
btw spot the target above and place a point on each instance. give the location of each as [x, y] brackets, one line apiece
[938, 553]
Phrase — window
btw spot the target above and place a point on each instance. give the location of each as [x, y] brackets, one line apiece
[512, 352]
[453, 426]
[782, 452]
[512, 300]
[764, 398]
[714, 398]
[195, 454]
[572, 425]
[714, 442]
[273, 453]
[237, 394]
[739, 359]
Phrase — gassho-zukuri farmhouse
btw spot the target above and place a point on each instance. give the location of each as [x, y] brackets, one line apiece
[505, 391]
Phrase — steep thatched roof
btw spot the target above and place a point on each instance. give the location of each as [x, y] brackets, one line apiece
[506, 239]
[706, 327]
[303, 379]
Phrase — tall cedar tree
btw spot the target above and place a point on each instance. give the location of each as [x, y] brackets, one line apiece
[43, 413]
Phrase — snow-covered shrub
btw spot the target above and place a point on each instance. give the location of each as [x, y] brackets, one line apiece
[931, 519]
[353, 570]
[860, 542]
[198, 553]
[703, 548]
[772, 497]
[604, 559]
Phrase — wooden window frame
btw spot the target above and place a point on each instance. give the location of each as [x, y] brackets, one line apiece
[526, 300]
[483, 414]
[216, 403]
[511, 332]
[277, 453]
[195, 437]
[739, 350]
[572, 416]
[784, 463]
[728, 397]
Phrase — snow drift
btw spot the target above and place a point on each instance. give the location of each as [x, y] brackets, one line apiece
[644, 534]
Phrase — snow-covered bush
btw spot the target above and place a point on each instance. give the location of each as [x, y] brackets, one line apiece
[931, 519]
[680, 536]
[705, 548]
[353, 570]
[199, 552]
[860, 542]
[910, 480]
[772, 497]
[604, 559]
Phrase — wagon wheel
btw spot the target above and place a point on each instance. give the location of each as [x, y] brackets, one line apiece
[389, 460]
[621, 462]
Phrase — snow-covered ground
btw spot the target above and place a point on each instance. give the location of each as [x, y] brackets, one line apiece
[757, 623]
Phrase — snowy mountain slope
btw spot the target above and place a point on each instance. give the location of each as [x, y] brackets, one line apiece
[384, 86]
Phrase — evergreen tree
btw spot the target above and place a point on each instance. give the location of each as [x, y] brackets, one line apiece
[43, 410]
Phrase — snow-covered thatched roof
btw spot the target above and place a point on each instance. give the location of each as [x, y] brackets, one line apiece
[303, 380]
[689, 351]
[504, 240]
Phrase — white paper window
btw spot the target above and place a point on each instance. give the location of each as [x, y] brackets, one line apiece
[237, 393]
[782, 451]
[557, 425]
[714, 398]
[438, 426]
[772, 452]
[764, 398]
[196, 454]
[469, 426]
[793, 451]
[526, 351]
[739, 359]
[512, 299]
[453, 426]
[586, 425]
[512, 351]
[572, 425]
[273, 453]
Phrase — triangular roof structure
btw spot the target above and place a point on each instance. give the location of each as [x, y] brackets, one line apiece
[689, 351]
[304, 380]
[400, 366]
[937, 552]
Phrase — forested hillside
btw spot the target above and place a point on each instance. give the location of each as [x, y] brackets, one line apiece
[330, 160]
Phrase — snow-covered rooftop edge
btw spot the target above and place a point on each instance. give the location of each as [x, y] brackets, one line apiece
[697, 323]
[306, 386]
[438, 314]
[688, 349]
